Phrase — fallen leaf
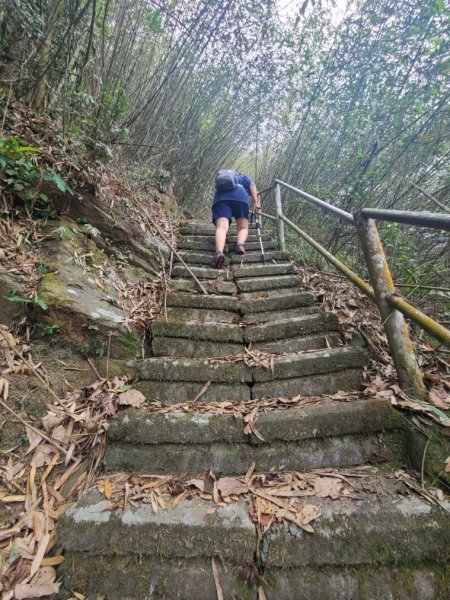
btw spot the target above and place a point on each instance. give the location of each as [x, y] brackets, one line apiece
[52, 561]
[219, 589]
[436, 401]
[228, 486]
[327, 487]
[308, 513]
[132, 398]
[108, 489]
[26, 590]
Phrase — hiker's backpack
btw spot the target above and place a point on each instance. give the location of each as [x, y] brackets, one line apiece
[227, 180]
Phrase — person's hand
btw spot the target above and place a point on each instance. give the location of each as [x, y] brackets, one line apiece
[257, 208]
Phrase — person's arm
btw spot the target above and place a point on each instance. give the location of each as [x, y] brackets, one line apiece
[254, 196]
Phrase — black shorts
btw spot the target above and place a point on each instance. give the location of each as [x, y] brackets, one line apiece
[229, 209]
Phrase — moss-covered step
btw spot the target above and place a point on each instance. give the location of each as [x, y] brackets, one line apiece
[299, 344]
[282, 299]
[332, 418]
[167, 346]
[209, 332]
[214, 286]
[329, 383]
[224, 458]
[231, 236]
[227, 532]
[207, 244]
[180, 270]
[207, 258]
[256, 284]
[413, 581]
[194, 369]
[315, 362]
[296, 326]
[133, 578]
[202, 315]
[380, 527]
[176, 392]
[210, 302]
[284, 315]
[262, 270]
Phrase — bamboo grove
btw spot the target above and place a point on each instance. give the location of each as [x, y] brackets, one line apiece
[349, 103]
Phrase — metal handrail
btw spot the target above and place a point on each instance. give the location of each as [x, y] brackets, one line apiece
[329, 208]
[390, 304]
[420, 219]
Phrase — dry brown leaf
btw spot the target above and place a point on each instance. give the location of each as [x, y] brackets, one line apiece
[132, 398]
[22, 591]
[261, 593]
[447, 465]
[38, 525]
[40, 553]
[228, 486]
[52, 561]
[4, 388]
[215, 571]
[436, 401]
[327, 487]
[108, 489]
[198, 483]
[308, 513]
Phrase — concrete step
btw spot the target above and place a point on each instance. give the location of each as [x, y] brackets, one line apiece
[231, 236]
[278, 299]
[167, 346]
[256, 284]
[330, 435]
[210, 302]
[388, 544]
[202, 258]
[203, 272]
[262, 270]
[274, 316]
[207, 332]
[212, 286]
[258, 302]
[300, 365]
[299, 344]
[168, 393]
[207, 245]
[291, 327]
[235, 271]
[202, 315]
[312, 385]
[193, 369]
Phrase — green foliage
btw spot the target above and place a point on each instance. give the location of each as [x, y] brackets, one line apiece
[51, 329]
[21, 177]
[99, 348]
[37, 301]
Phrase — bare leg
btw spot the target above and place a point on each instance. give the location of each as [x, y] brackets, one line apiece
[222, 225]
[242, 227]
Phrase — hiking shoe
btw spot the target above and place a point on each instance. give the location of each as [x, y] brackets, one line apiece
[240, 248]
[219, 260]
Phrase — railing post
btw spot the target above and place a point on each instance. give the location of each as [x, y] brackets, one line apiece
[395, 327]
[280, 224]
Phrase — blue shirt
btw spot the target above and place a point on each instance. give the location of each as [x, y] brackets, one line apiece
[240, 194]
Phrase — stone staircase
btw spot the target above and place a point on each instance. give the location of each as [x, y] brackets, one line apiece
[384, 543]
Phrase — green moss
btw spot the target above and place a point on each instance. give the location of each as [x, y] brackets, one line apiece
[431, 449]
[53, 289]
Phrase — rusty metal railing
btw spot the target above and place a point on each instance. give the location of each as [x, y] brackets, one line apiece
[382, 290]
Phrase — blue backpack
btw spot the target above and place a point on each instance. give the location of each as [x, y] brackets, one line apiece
[227, 180]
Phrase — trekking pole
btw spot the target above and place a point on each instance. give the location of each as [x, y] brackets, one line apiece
[258, 230]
